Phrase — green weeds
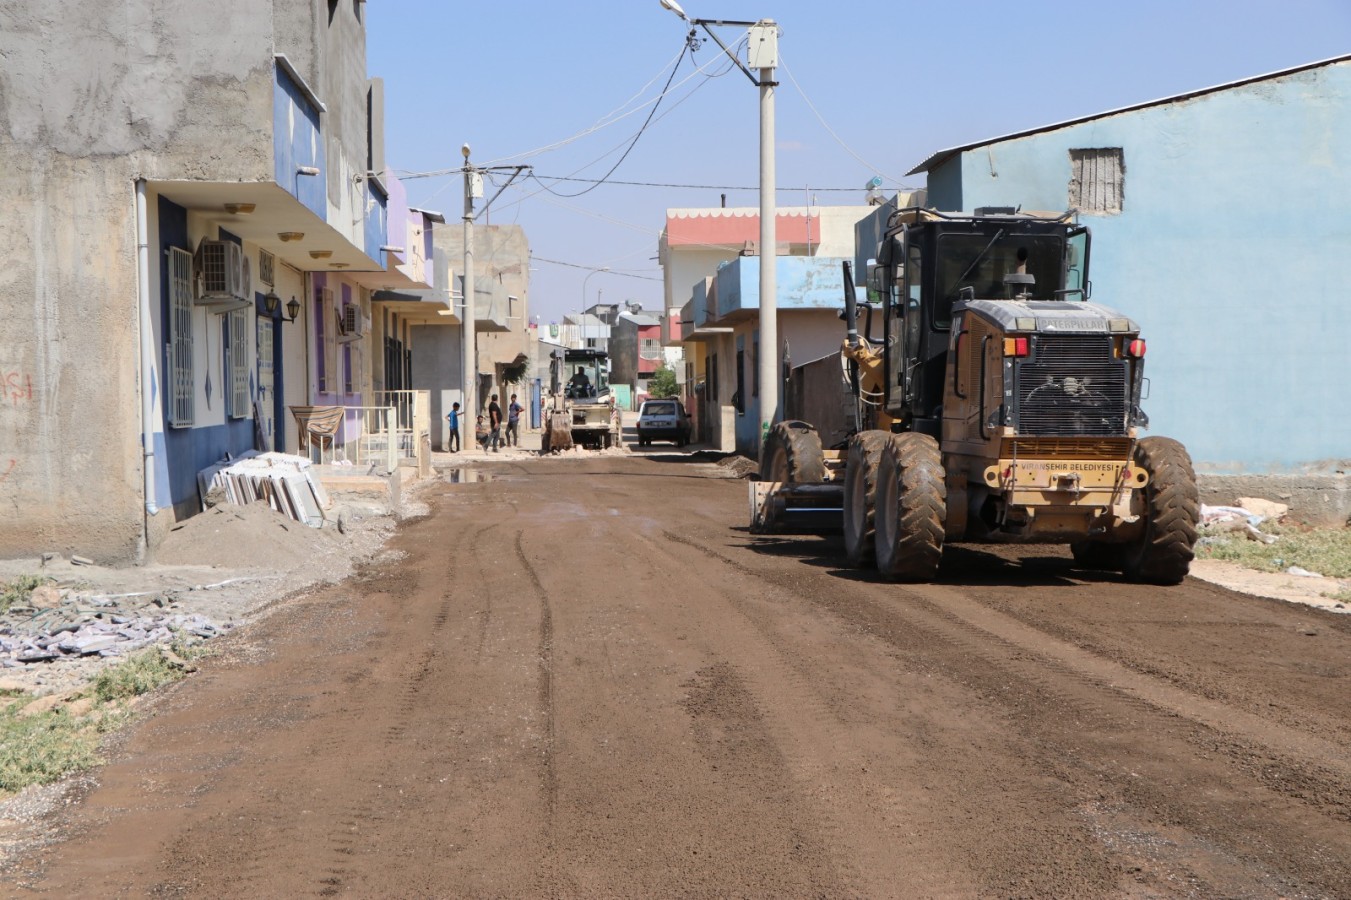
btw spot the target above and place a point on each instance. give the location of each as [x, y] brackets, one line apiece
[1326, 551]
[17, 592]
[43, 747]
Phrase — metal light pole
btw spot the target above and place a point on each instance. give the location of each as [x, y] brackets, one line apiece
[583, 311]
[763, 55]
[473, 187]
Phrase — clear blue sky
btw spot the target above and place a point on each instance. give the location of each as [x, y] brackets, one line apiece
[894, 80]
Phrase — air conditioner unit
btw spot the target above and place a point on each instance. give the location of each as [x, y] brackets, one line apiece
[222, 276]
[351, 324]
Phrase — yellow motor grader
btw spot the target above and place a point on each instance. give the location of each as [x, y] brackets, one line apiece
[997, 403]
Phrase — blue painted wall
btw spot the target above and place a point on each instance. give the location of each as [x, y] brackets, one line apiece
[297, 141]
[801, 282]
[189, 450]
[1229, 249]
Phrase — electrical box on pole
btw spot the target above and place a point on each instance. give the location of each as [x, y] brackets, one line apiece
[476, 185]
[762, 48]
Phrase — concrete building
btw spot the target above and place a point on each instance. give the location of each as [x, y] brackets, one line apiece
[177, 184]
[635, 352]
[585, 329]
[711, 272]
[1219, 222]
[505, 341]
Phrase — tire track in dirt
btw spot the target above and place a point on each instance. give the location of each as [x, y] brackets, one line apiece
[1033, 659]
[551, 874]
[329, 777]
[770, 719]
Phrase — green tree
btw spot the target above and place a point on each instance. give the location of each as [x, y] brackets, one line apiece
[662, 385]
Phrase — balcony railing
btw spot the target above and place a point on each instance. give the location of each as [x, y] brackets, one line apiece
[396, 426]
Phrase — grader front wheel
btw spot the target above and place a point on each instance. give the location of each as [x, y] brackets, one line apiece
[860, 496]
[793, 454]
[1164, 551]
[910, 509]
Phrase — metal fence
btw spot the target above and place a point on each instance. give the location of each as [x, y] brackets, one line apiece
[396, 426]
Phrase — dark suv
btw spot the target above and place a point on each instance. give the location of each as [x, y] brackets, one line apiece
[663, 420]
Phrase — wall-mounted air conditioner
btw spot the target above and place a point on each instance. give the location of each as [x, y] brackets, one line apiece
[351, 324]
[222, 272]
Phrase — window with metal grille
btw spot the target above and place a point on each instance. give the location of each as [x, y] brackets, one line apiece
[239, 363]
[326, 343]
[265, 376]
[352, 360]
[1097, 180]
[181, 384]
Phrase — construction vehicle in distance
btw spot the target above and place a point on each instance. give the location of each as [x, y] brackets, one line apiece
[581, 409]
[996, 403]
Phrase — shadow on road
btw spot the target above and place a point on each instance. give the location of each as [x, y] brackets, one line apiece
[961, 565]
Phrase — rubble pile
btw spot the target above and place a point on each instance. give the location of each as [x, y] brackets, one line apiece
[59, 625]
[1244, 518]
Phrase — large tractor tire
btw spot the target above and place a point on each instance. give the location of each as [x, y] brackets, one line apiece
[793, 454]
[910, 508]
[1164, 551]
[860, 495]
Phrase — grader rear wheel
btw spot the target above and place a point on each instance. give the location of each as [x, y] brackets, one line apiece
[860, 495]
[1164, 551]
[910, 509]
[793, 454]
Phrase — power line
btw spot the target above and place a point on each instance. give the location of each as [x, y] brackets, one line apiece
[784, 65]
[648, 121]
[610, 118]
[559, 262]
[701, 187]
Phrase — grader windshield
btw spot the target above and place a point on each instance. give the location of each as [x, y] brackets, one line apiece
[585, 374]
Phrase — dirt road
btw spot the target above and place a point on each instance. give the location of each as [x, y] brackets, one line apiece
[585, 678]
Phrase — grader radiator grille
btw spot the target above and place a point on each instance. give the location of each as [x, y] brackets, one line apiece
[1071, 386]
[1065, 448]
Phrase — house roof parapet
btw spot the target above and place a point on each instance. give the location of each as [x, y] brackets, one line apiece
[943, 156]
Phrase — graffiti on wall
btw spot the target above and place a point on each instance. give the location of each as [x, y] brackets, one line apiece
[16, 387]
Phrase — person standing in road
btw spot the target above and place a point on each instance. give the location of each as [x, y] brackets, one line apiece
[514, 411]
[495, 424]
[453, 438]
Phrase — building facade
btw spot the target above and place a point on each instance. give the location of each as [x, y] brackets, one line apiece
[193, 193]
[711, 266]
[635, 352]
[1219, 222]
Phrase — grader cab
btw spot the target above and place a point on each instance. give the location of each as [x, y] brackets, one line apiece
[997, 402]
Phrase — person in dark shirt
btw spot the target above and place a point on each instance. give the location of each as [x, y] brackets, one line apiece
[514, 411]
[495, 424]
[579, 385]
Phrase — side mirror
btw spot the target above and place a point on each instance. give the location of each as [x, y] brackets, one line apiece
[876, 281]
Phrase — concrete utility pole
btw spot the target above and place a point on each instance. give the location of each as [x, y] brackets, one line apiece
[473, 187]
[762, 53]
